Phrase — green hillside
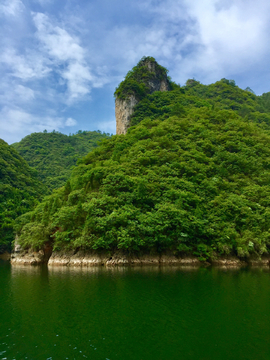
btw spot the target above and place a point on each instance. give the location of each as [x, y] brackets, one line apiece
[192, 175]
[19, 189]
[54, 154]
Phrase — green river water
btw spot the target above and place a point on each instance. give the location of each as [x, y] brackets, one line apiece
[134, 313]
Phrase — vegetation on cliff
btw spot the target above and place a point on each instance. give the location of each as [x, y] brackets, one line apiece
[19, 189]
[137, 81]
[54, 154]
[191, 176]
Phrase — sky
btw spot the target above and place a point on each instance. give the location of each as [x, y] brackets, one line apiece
[60, 61]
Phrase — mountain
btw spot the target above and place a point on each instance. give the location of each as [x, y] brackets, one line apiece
[190, 176]
[19, 191]
[54, 154]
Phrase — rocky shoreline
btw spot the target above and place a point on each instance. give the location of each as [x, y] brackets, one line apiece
[88, 259]
[82, 258]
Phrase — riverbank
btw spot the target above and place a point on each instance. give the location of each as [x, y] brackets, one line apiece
[83, 258]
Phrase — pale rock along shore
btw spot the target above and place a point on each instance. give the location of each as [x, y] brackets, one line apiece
[82, 258]
[93, 259]
[88, 259]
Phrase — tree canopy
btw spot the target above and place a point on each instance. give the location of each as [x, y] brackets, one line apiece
[32, 168]
[53, 154]
[19, 189]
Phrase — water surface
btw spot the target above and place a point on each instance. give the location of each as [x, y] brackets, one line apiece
[134, 313]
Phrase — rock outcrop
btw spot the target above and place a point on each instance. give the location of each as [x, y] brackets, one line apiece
[96, 258]
[123, 111]
[29, 256]
[82, 258]
[156, 80]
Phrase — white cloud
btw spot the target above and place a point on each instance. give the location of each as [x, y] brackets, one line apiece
[57, 41]
[25, 67]
[70, 122]
[232, 35]
[24, 93]
[11, 7]
[210, 38]
[68, 57]
[78, 77]
[39, 78]
[16, 122]
[11, 93]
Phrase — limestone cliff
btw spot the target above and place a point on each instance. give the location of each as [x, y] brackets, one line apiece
[145, 78]
[123, 111]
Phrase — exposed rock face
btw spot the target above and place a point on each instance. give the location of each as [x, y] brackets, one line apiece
[229, 261]
[30, 257]
[124, 108]
[123, 111]
[27, 258]
[79, 258]
[94, 258]
[156, 84]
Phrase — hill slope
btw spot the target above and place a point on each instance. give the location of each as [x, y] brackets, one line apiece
[192, 176]
[19, 189]
[54, 154]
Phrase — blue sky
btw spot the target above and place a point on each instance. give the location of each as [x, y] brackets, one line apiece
[60, 61]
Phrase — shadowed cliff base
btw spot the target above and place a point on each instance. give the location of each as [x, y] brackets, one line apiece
[5, 256]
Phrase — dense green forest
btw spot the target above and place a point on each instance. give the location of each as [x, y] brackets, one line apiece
[32, 168]
[54, 154]
[192, 175]
[19, 189]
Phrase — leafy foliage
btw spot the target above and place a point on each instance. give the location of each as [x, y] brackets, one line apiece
[192, 175]
[54, 154]
[19, 189]
[223, 95]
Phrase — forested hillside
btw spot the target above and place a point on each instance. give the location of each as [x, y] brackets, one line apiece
[192, 175]
[54, 154]
[19, 189]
